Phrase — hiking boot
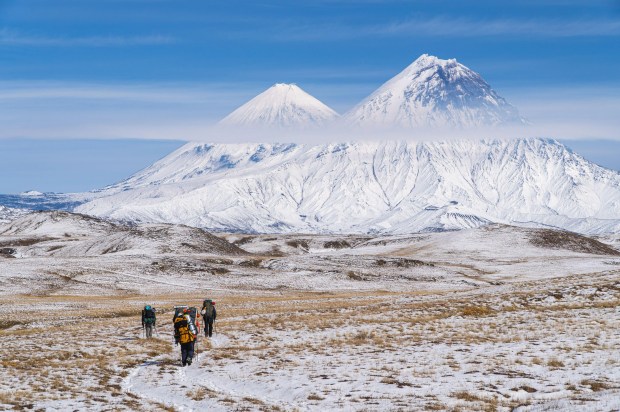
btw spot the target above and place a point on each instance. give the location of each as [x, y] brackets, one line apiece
[189, 361]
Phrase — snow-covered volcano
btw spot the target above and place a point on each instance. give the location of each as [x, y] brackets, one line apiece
[388, 187]
[282, 105]
[432, 92]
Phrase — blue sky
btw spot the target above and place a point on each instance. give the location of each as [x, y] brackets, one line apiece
[74, 165]
[167, 69]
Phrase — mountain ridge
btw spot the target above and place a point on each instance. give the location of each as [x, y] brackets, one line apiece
[369, 187]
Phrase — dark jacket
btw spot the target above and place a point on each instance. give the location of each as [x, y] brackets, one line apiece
[206, 318]
[148, 317]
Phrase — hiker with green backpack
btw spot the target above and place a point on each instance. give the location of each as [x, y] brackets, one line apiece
[148, 320]
[209, 314]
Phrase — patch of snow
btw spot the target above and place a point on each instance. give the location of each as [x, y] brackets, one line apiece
[31, 193]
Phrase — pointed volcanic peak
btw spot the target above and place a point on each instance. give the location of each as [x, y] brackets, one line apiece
[281, 106]
[432, 92]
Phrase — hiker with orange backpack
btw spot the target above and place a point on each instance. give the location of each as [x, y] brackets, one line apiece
[185, 334]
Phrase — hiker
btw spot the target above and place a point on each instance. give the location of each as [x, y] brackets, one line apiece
[208, 313]
[148, 320]
[185, 334]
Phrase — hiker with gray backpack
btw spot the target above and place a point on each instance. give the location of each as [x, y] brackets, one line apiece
[148, 320]
[208, 313]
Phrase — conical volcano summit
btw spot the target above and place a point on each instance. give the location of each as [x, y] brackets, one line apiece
[282, 105]
[433, 92]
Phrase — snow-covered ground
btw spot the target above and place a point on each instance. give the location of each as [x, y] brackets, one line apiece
[548, 345]
[495, 318]
[492, 350]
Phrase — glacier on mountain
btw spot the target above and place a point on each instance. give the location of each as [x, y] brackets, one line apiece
[369, 187]
[433, 92]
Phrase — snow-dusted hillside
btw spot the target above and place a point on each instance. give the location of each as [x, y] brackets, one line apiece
[432, 92]
[8, 213]
[56, 224]
[282, 105]
[64, 234]
[387, 187]
[482, 319]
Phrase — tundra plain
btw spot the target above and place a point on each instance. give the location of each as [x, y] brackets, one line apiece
[496, 318]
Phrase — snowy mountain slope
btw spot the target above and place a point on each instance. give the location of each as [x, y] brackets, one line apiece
[282, 105]
[432, 92]
[56, 223]
[8, 213]
[386, 187]
[64, 234]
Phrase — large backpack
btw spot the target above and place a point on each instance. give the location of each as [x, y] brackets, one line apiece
[182, 330]
[207, 305]
[149, 315]
[192, 311]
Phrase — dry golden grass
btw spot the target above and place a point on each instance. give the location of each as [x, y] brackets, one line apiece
[555, 363]
[198, 394]
[479, 310]
[14, 397]
[595, 385]
[81, 356]
[346, 322]
[467, 396]
[482, 404]
[164, 407]
[253, 401]
[435, 406]
[315, 397]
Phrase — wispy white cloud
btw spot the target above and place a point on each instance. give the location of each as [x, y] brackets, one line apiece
[151, 93]
[12, 38]
[528, 27]
[190, 111]
[78, 110]
[444, 27]
[216, 99]
[572, 112]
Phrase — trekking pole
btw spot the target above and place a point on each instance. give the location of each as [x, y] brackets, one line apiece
[143, 332]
